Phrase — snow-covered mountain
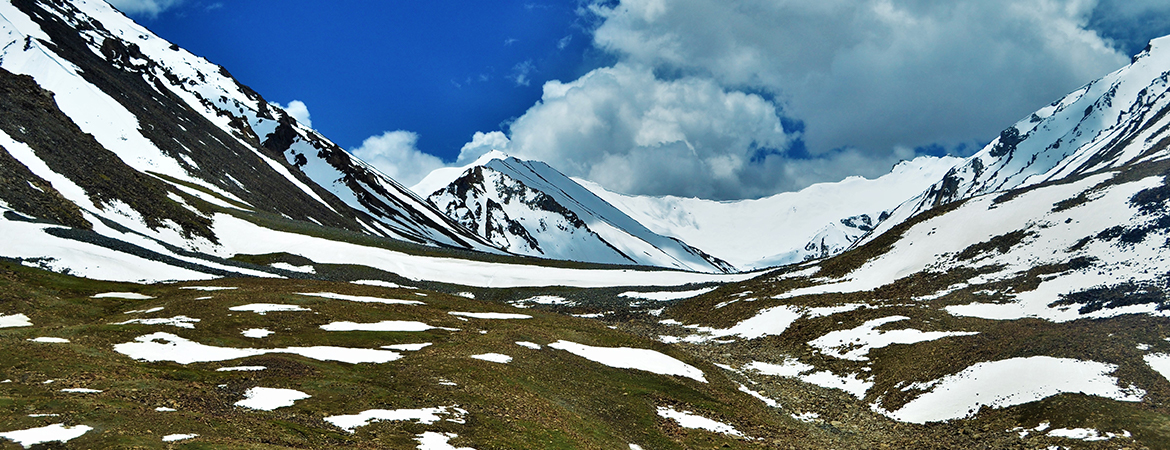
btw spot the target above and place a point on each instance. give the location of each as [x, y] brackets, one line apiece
[160, 119]
[529, 208]
[818, 221]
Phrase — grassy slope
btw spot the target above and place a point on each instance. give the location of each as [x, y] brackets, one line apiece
[544, 398]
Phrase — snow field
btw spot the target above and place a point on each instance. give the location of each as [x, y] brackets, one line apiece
[240, 236]
[407, 347]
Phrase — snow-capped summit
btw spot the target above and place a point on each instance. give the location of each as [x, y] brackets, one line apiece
[443, 176]
[529, 208]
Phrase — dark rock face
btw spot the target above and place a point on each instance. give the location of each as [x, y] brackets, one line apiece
[30, 115]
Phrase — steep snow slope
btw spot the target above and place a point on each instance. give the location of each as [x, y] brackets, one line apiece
[154, 108]
[527, 207]
[818, 221]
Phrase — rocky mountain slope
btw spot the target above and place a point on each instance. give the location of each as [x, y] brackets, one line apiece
[818, 221]
[529, 208]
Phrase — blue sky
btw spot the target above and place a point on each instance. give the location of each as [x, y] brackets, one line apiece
[443, 70]
[719, 99]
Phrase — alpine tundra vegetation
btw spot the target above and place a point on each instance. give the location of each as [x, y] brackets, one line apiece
[185, 264]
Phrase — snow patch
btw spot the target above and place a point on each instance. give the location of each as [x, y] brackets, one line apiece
[407, 347]
[431, 440]
[178, 437]
[494, 357]
[362, 299]
[1009, 382]
[257, 333]
[241, 369]
[49, 340]
[123, 295]
[268, 399]
[52, 433]
[168, 347]
[424, 416]
[687, 419]
[385, 325]
[632, 358]
[665, 296]
[490, 315]
[380, 283]
[15, 320]
[855, 344]
[265, 308]
[177, 321]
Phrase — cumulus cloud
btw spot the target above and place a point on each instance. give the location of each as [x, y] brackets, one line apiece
[873, 74]
[626, 129]
[480, 144]
[395, 153]
[147, 8]
[297, 110]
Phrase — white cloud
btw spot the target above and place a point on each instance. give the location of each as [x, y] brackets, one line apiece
[297, 110]
[147, 8]
[630, 131]
[480, 144]
[394, 153]
[873, 74]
